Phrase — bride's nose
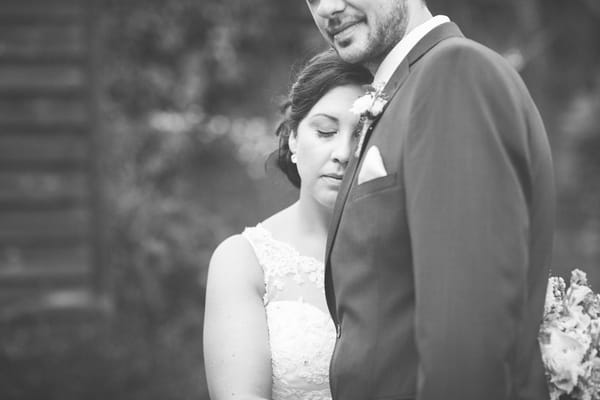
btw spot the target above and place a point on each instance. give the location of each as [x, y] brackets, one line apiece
[342, 149]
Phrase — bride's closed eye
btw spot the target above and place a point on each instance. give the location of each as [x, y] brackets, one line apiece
[326, 132]
[324, 125]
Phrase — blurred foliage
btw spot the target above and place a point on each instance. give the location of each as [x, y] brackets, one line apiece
[188, 95]
[183, 122]
[119, 359]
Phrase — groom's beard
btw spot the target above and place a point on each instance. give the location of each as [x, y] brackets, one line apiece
[382, 35]
[389, 32]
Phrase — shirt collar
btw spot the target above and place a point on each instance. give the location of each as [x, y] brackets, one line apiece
[403, 47]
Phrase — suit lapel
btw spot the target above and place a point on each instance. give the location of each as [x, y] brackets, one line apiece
[442, 32]
[341, 201]
[438, 34]
[399, 76]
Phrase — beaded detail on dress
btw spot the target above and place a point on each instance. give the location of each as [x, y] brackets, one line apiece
[301, 333]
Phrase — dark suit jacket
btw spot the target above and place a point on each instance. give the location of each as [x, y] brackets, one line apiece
[436, 273]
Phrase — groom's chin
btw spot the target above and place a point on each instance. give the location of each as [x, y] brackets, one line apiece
[350, 52]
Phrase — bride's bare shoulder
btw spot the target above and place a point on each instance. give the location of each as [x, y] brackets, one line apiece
[235, 257]
[233, 245]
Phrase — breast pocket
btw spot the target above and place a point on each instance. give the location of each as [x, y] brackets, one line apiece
[373, 186]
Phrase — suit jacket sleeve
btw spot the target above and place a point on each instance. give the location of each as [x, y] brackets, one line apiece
[466, 177]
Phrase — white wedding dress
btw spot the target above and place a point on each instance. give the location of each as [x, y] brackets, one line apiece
[301, 333]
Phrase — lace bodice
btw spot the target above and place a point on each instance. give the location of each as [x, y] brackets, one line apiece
[301, 333]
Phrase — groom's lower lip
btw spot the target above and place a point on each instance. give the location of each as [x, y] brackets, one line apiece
[344, 32]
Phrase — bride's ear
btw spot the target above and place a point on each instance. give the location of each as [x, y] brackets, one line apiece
[292, 142]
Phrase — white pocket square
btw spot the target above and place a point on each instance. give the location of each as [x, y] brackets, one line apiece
[372, 166]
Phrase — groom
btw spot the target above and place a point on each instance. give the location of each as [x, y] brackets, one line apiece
[438, 253]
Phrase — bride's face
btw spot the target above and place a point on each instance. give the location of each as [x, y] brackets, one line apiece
[324, 142]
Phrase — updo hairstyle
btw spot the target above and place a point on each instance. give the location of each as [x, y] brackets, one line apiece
[321, 74]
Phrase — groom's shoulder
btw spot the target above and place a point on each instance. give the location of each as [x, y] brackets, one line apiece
[461, 56]
[466, 49]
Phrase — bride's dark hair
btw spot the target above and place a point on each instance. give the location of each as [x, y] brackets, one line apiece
[322, 73]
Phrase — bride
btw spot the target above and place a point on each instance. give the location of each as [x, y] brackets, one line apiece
[267, 330]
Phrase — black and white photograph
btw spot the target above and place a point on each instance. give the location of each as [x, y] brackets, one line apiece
[299, 200]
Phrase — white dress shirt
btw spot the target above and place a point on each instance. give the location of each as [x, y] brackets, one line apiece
[403, 47]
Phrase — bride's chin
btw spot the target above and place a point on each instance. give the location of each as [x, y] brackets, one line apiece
[329, 201]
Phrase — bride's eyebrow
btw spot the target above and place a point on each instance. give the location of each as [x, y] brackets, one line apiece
[323, 115]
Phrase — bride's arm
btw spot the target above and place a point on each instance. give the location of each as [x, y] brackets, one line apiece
[236, 349]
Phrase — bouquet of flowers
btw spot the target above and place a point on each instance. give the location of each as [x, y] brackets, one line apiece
[570, 338]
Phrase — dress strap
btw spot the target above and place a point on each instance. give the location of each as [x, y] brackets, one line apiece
[281, 263]
[259, 243]
[258, 239]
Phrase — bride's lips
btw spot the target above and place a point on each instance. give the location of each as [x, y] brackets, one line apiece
[333, 177]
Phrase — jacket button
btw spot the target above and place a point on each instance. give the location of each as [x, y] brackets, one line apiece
[338, 330]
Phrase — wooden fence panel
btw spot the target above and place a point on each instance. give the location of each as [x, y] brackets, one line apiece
[48, 207]
[42, 110]
[41, 78]
[43, 10]
[42, 187]
[18, 41]
[44, 150]
[39, 225]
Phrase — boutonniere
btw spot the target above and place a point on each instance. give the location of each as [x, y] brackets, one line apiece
[369, 107]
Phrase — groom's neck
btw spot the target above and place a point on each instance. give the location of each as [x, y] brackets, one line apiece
[418, 13]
